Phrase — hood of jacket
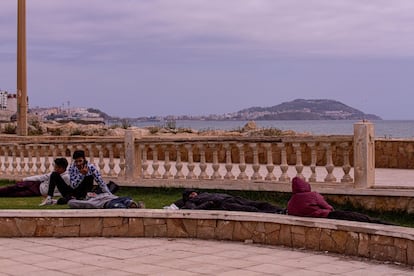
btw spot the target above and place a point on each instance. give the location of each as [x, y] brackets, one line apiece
[300, 186]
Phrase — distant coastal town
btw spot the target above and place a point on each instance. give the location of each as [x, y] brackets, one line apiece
[298, 109]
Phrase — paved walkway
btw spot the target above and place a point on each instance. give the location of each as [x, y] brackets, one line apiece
[154, 256]
[397, 178]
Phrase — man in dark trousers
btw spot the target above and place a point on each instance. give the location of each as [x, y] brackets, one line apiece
[217, 201]
[36, 185]
[82, 174]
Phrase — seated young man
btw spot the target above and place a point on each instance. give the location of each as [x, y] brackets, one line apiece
[217, 201]
[306, 203]
[81, 174]
[36, 185]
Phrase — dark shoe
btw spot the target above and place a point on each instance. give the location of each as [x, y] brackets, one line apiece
[62, 201]
[113, 187]
[97, 189]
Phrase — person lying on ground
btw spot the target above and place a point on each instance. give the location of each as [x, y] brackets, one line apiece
[104, 201]
[305, 203]
[81, 174]
[37, 185]
[176, 205]
[217, 201]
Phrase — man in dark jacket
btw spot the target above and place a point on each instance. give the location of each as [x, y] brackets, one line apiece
[217, 201]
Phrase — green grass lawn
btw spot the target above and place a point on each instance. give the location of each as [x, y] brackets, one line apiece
[156, 198]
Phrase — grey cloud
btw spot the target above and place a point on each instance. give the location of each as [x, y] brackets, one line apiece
[289, 27]
[267, 50]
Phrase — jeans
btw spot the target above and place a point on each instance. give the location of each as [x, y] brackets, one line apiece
[120, 202]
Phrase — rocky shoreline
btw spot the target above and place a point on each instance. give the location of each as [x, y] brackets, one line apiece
[54, 128]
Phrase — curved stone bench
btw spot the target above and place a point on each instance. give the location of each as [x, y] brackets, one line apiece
[380, 242]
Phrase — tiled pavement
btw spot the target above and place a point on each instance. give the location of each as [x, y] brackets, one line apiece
[161, 256]
[154, 256]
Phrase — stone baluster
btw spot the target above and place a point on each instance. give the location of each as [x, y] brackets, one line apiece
[122, 162]
[216, 165]
[346, 167]
[256, 166]
[71, 149]
[6, 159]
[178, 163]
[144, 164]
[29, 159]
[111, 163]
[45, 151]
[242, 164]
[329, 163]
[53, 149]
[312, 177]
[38, 163]
[14, 161]
[203, 164]
[61, 151]
[270, 176]
[190, 164]
[1, 161]
[299, 165]
[284, 177]
[155, 163]
[101, 162]
[167, 164]
[22, 160]
[229, 163]
[91, 156]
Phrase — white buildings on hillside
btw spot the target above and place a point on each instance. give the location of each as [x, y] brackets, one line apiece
[8, 101]
[8, 105]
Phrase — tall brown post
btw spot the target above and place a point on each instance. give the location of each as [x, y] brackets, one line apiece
[21, 69]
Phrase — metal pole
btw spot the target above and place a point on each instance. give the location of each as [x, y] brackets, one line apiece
[21, 69]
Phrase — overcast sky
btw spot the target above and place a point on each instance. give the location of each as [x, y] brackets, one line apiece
[134, 58]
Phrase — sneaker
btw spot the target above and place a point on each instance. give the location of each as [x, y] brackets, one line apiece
[133, 204]
[48, 201]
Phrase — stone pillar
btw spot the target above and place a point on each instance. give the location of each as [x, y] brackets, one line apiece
[133, 166]
[364, 154]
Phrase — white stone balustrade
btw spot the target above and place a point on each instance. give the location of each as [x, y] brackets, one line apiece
[217, 161]
[25, 157]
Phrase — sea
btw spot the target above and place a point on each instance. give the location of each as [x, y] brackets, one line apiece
[383, 128]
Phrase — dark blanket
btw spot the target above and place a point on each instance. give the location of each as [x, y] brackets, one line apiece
[217, 201]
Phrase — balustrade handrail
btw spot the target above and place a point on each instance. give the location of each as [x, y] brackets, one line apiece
[320, 138]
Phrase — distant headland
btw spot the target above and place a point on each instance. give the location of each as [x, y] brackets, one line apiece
[299, 109]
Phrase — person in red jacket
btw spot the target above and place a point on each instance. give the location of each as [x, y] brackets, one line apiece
[305, 203]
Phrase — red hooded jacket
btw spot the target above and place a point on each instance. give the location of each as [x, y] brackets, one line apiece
[305, 203]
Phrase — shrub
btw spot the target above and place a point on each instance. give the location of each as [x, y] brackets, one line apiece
[77, 132]
[125, 123]
[10, 129]
[272, 132]
[56, 131]
[171, 124]
[35, 128]
[154, 129]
